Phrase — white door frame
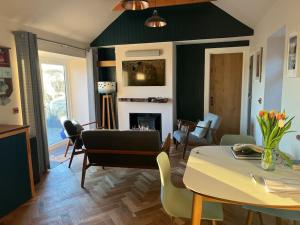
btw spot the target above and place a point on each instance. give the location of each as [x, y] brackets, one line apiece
[245, 80]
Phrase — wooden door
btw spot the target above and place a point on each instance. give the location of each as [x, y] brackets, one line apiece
[225, 91]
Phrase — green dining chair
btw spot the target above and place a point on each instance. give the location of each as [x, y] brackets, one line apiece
[229, 140]
[177, 202]
[278, 213]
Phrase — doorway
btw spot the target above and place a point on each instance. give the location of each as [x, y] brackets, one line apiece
[55, 100]
[226, 84]
[274, 70]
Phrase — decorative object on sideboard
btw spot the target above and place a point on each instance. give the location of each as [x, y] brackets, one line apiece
[107, 88]
[135, 4]
[293, 55]
[149, 99]
[143, 53]
[6, 85]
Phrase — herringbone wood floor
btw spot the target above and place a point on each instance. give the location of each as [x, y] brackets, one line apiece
[114, 196]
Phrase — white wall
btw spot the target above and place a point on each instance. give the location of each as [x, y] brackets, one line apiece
[282, 13]
[167, 91]
[274, 70]
[78, 86]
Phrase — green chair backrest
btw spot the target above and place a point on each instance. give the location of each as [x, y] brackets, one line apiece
[229, 140]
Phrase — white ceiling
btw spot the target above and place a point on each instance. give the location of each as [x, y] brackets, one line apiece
[250, 12]
[83, 20]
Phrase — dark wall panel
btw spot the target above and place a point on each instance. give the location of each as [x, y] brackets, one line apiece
[190, 78]
[185, 22]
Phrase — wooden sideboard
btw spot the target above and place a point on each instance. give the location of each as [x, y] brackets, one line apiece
[16, 176]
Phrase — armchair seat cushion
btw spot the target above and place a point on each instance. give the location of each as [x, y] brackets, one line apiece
[180, 136]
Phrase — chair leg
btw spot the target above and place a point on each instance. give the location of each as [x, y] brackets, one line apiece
[214, 222]
[184, 150]
[72, 156]
[84, 165]
[172, 220]
[67, 147]
[261, 221]
[249, 217]
[176, 144]
[278, 221]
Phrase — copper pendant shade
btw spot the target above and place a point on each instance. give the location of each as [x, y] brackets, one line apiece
[135, 4]
[155, 20]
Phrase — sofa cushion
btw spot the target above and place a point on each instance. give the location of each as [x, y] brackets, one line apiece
[180, 136]
[122, 140]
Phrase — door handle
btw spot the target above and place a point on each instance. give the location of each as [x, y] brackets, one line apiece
[211, 101]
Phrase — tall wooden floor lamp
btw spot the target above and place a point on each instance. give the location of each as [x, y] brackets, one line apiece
[107, 88]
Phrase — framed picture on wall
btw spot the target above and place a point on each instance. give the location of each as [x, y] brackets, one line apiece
[293, 52]
[259, 62]
[6, 85]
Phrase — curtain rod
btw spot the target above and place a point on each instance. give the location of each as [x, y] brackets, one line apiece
[62, 44]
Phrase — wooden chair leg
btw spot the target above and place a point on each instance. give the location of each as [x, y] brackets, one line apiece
[84, 165]
[72, 156]
[278, 221]
[261, 221]
[184, 150]
[249, 219]
[214, 222]
[172, 220]
[67, 147]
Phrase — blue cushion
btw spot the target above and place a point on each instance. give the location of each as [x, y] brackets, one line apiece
[180, 136]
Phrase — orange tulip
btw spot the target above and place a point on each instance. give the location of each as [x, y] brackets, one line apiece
[278, 116]
[271, 114]
[261, 113]
[283, 116]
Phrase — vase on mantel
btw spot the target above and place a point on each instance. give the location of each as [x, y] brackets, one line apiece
[268, 159]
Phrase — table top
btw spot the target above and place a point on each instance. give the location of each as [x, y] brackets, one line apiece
[212, 171]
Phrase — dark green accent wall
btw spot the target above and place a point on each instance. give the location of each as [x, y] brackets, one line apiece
[14, 175]
[185, 22]
[190, 78]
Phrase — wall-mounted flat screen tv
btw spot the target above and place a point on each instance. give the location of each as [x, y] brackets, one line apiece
[144, 72]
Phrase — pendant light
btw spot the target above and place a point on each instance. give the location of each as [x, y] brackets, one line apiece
[135, 4]
[155, 20]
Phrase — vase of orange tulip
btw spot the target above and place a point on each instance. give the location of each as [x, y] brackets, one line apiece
[273, 127]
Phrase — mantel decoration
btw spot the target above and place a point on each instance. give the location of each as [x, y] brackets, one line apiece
[6, 85]
[273, 125]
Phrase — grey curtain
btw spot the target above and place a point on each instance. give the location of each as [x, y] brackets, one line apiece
[31, 93]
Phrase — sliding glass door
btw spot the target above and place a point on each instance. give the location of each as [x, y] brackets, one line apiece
[55, 100]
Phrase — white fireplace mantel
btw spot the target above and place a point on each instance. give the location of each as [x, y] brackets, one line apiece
[168, 91]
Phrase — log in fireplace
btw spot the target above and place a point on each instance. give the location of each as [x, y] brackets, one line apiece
[145, 121]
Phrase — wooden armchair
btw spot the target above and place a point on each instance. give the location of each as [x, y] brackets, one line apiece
[197, 134]
[73, 132]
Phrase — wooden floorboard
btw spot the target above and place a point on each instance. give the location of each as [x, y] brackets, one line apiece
[114, 196]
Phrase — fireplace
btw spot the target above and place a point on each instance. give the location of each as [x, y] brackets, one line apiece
[145, 121]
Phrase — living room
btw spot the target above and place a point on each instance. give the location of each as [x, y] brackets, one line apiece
[134, 87]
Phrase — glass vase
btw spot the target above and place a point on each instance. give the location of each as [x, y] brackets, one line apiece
[268, 160]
